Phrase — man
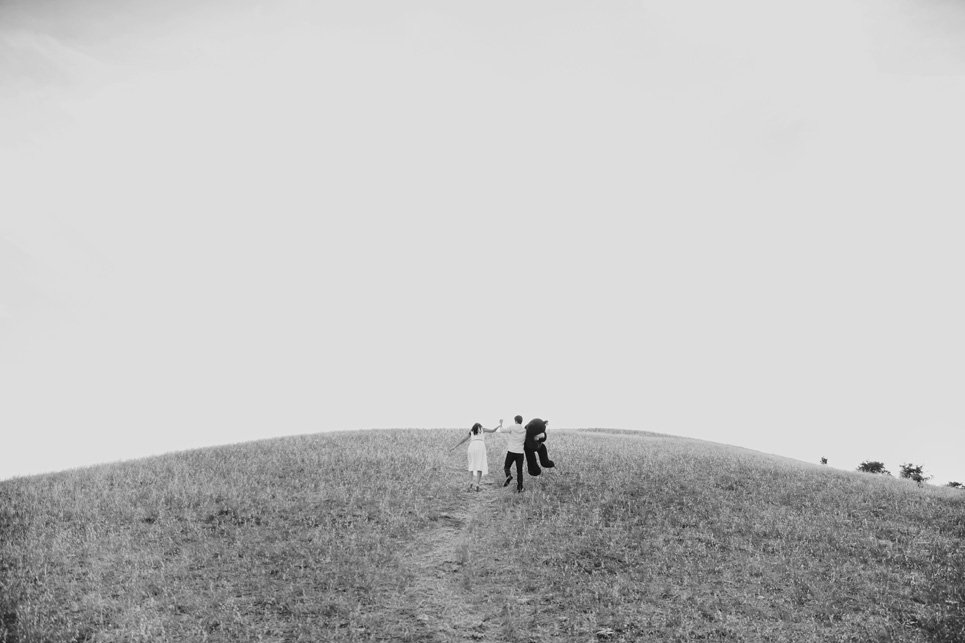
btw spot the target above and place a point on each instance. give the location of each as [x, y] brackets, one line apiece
[515, 437]
[534, 447]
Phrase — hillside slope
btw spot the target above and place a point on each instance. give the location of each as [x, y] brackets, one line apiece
[371, 536]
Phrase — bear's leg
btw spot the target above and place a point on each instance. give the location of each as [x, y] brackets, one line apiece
[544, 458]
[531, 464]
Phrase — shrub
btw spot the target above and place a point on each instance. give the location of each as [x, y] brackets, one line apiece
[956, 485]
[873, 466]
[824, 460]
[914, 472]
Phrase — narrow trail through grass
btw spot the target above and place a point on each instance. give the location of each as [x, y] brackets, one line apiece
[442, 595]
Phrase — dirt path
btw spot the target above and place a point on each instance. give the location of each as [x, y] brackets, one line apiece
[441, 597]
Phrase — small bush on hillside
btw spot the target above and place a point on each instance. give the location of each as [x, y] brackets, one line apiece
[873, 466]
[824, 460]
[914, 472]
[956, 485]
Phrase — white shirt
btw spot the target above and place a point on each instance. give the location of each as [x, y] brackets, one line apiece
[515, 437]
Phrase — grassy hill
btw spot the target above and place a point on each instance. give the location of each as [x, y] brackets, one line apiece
[371, 536]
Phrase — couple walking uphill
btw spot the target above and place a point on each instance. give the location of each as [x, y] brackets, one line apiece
[528, 442]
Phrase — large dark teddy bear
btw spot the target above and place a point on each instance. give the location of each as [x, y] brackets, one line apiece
[535, 448]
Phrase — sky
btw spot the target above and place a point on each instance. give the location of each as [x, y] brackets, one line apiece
[735, 221]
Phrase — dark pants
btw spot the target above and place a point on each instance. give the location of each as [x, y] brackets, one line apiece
[531, 457]
[518, 459]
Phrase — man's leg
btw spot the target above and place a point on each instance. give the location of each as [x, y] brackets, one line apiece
[519, 471]
[506, 468]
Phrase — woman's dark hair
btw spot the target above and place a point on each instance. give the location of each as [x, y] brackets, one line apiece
[475, 428]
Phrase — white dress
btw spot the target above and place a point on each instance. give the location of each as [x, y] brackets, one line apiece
[477, 454]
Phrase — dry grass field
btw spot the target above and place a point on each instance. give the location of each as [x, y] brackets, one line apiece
[371, 536]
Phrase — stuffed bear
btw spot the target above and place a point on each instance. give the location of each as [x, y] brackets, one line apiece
[535, 448]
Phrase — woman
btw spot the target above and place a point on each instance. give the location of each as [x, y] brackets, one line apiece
[476, 456]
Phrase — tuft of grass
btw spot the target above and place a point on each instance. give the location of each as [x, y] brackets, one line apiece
[370, 536]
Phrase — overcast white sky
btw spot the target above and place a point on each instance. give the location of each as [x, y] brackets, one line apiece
[738, 221]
